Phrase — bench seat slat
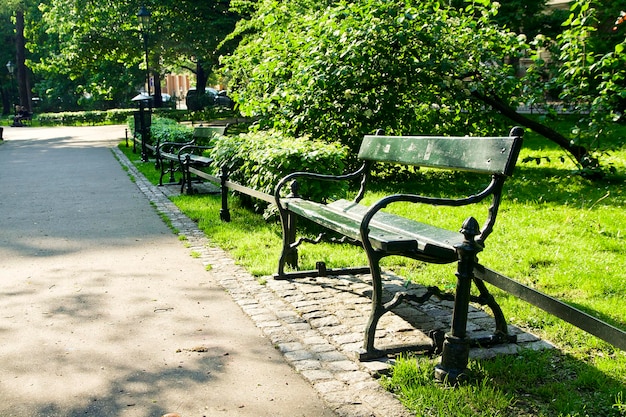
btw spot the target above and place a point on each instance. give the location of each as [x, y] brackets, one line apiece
[197, 160]
[388, 232]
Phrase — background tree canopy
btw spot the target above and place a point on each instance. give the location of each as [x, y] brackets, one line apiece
[86, 53]
[338, 70]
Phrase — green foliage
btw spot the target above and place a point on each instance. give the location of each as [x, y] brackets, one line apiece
[587, 74]
[212, 113]
[84, 117]
[167, 130]
[530, 17]
[89, 55]
[345, 70]
[164, 129]
[259, 159]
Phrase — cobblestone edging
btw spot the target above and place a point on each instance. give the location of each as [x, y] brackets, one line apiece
[317, 323]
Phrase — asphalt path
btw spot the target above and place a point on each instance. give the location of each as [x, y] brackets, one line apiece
[103, 312]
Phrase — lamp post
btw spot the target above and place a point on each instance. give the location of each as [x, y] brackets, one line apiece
[144, 25]
[11, 69]
[144, 17]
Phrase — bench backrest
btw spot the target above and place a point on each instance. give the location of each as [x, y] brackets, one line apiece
[204, 134]
[489, 155]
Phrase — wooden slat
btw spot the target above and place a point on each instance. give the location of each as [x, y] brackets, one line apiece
[388, 232]
[209, 131]
[486, 155]
[204, 175]
[234, 186]
[250, 191]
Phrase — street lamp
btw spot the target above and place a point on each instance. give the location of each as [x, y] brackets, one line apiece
[11, 68]
[144, 17]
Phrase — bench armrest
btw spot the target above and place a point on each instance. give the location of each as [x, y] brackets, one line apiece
[169, 146]
[312, 175]
[494, 188]
[189, 148]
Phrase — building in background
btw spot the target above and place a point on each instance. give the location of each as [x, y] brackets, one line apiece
[176, 86]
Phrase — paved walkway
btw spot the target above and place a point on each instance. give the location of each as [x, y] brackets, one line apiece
[316, 324]
[104, 312]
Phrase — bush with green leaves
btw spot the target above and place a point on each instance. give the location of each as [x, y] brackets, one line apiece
[79, 118]
[346, 69]
[168, 130]
[260, 159]
[165, 130]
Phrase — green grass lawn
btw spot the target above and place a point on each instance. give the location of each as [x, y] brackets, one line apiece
[557, 232]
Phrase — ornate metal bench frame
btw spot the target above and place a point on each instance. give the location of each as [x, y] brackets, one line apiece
[383, 234]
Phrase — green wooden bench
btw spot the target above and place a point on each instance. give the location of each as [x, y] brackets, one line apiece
[175, 157]
[383, 234]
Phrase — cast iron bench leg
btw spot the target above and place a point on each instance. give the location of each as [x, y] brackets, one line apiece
[289, 253]
[187, 175]
[456, 347]
[377, 307]
[224, 211]
[171, 169]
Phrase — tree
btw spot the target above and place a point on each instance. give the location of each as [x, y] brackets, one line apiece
[588, 72]
[18, 9]
[8, 90]
[193, 33]
[85, 56]
[96, 48]
[339, 70]
[530, 17]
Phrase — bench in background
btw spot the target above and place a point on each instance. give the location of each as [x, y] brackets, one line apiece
[383, 234]
[174, 157]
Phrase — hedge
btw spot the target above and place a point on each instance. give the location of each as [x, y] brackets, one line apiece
[119, 116]
[260, 159]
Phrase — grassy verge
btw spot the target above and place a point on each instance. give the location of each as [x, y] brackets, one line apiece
[557, 232]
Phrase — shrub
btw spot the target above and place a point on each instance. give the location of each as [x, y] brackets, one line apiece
[260, 159]
[165, 130]
[168, 130]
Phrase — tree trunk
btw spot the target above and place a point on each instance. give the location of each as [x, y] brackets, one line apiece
[201, 77]
[23, 81]
[7, 106]
[580, 153]
[158, 98]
